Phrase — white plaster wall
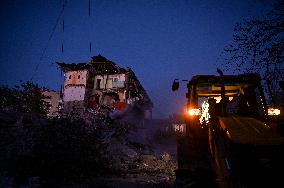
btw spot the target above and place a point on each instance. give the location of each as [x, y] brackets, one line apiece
[74, 93]
[116, 80]
[109, 80]
[76, 77]
[120, 77]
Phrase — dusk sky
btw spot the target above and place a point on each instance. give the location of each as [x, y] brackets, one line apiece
[159, 39]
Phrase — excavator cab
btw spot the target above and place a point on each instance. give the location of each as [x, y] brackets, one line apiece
[228, 95]
[228, 129]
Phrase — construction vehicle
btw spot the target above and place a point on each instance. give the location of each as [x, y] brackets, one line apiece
[229, 132]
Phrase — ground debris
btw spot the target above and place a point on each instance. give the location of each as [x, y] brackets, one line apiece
[136, 158]
[130, 150]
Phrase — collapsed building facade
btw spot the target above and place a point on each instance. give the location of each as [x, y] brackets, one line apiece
[101, 83]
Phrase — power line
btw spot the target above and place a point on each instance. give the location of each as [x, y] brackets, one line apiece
[63, 26]
[89, 8]
[90, 46]
[50, 37]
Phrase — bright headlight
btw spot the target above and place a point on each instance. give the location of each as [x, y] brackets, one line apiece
[273, 112]
[193, 112]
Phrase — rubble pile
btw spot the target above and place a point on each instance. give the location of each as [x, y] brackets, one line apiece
[138, 160]
[133, 151]
[154, 169]
[126, 148]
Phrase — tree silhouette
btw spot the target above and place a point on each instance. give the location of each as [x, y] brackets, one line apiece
[258, 45]
[26, 98]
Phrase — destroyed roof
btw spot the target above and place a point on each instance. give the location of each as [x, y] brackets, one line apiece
[98, 65]
[72, 67]
[138, 87]
[101, 65]
[99, 58]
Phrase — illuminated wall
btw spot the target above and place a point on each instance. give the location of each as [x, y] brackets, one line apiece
[74, 93]
[109, 81]
[75, 86]
[75, 78]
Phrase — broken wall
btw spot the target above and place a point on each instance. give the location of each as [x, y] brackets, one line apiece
[75, 86]
[109, 81]
[75, 77]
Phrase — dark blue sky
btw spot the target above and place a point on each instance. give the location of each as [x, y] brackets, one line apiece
[159, 39]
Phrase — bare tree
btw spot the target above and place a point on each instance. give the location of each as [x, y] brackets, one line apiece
[258, 45]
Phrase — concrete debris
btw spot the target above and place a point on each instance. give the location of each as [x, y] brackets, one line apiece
[136, 160]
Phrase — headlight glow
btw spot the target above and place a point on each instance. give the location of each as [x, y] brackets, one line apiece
[193, 112]
[273, 112]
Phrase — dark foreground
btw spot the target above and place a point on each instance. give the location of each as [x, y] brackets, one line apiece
[145, 156]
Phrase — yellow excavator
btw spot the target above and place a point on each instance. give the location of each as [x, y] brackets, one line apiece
[230, 131]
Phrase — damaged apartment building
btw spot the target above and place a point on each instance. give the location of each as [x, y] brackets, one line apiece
[101, 83]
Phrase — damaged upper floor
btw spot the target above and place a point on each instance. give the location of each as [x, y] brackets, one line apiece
[102, 82]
